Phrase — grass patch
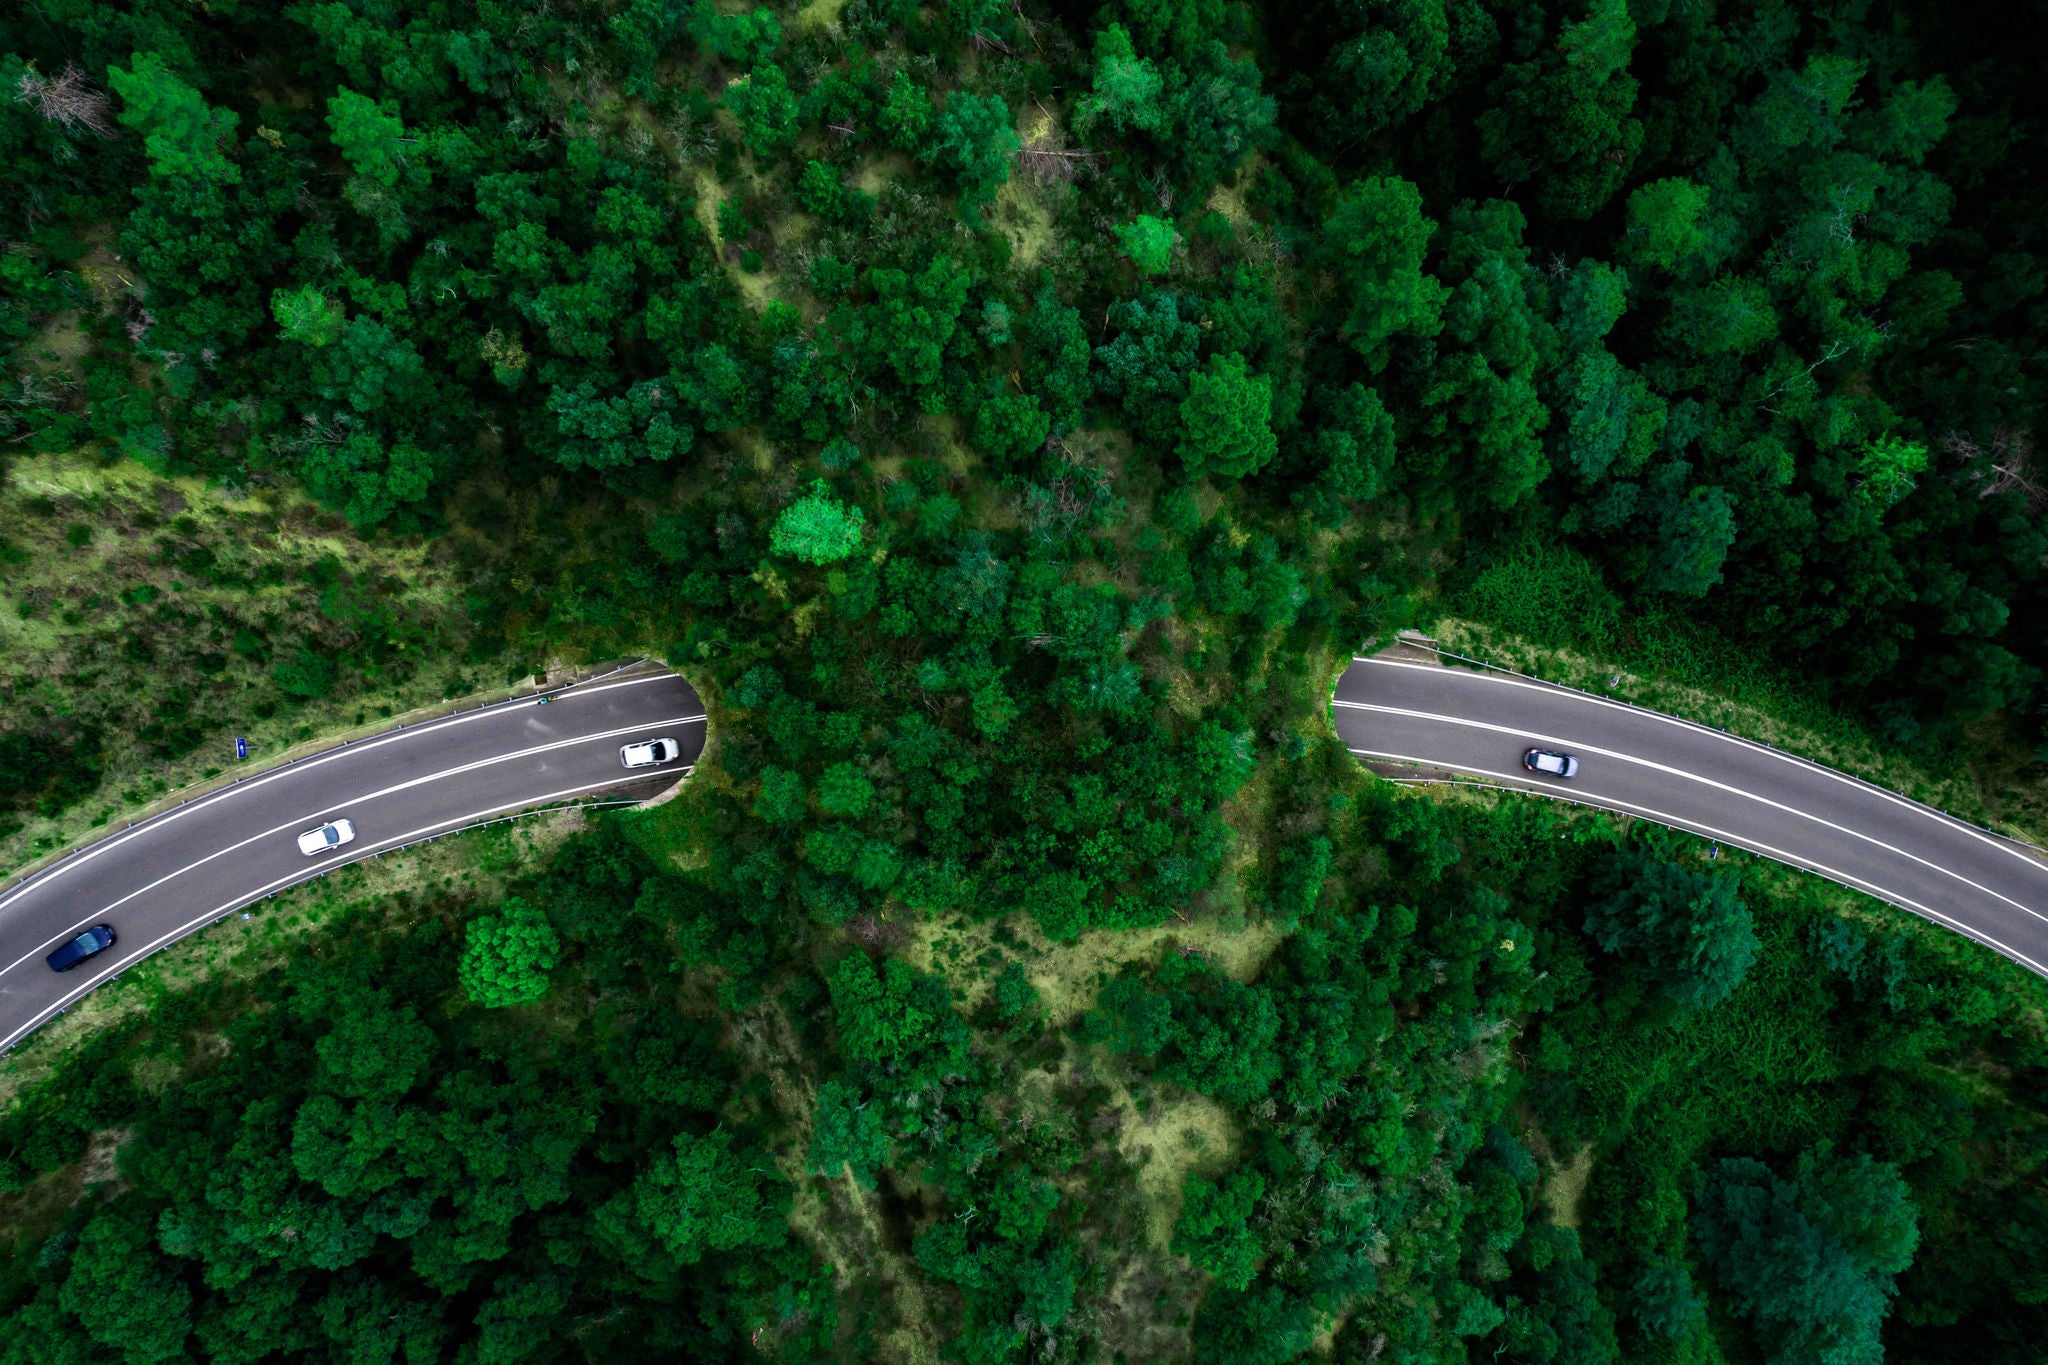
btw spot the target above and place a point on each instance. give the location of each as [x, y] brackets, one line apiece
[175, 625]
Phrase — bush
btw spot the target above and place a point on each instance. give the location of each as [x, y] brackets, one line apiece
[508, 956]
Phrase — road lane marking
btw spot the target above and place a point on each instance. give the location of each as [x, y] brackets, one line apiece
[314, 870]
[1569, 694]
[94, 918]
[112, 841]
[1693, 777]
[1853, 882]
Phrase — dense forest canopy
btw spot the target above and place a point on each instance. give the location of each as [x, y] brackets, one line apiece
[1010, 417]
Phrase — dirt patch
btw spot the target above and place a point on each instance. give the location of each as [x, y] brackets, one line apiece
[1165, 1141]
[1067, 975]
[1564, 1187]
[1021, 215]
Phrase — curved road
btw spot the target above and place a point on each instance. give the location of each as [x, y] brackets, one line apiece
[189, 866]
[1701, 780]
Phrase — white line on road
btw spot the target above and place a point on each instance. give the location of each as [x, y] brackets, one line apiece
[315, 870]
[1583, 747]
[1514, 783]
[57, 870]
[2006, 846]
[333, 808]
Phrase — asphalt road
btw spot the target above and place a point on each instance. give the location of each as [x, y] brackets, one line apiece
[1478, 724]
[189, 866]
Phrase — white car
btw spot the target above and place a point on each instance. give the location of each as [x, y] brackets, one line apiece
[1552, 762]
[333, 834]
[650, 752]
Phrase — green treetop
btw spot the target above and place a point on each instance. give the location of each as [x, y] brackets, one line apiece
[181, 133]
[1148, 242]
[817, 528]
[508, 955]
[1227, 420]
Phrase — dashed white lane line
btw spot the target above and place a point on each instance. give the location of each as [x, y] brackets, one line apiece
[2006, 846]
[52, 873]
[1584, 747]
[1849, 879]
[313, 817]
[311, 871]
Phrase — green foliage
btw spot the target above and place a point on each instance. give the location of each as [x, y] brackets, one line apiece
[896, 1020]
[907, 113]
[1214, 1229]
[307, 675]
[762, 102]
[817, 528]
[1665, 1302]
[1227, 420]
[1810, 1259]
[1889, 467]
[1686, 931]
[847, 1136]
[1664, 227]
[1375, 241]
[507, 956]
[844, 790]
[307, 316]
[747, 39]
[1148, 241]
[701, 1197]
[181, 133]
[973, 140]
[369, 134]
[1127, 88]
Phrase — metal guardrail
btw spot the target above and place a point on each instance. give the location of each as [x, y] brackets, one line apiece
[243, 908]
[1420, 641]
[14, 881]
[1954, 927]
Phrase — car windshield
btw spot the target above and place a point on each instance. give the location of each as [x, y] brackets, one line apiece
[86, 941]
[330, 834]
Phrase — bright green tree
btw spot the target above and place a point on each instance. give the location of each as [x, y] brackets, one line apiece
[369, 134]
[906, 117]
[1226, 420]
[306, 316]
[703, 1197]
[817, 528]
[182, 135]
[1127, 88]
[844, 790]
[1889, 466]
[1148, 242]
[508, 955]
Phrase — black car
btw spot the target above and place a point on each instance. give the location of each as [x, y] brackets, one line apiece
[1550, 763]
[69, 954]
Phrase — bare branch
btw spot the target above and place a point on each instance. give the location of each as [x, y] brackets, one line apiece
[67, 100]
